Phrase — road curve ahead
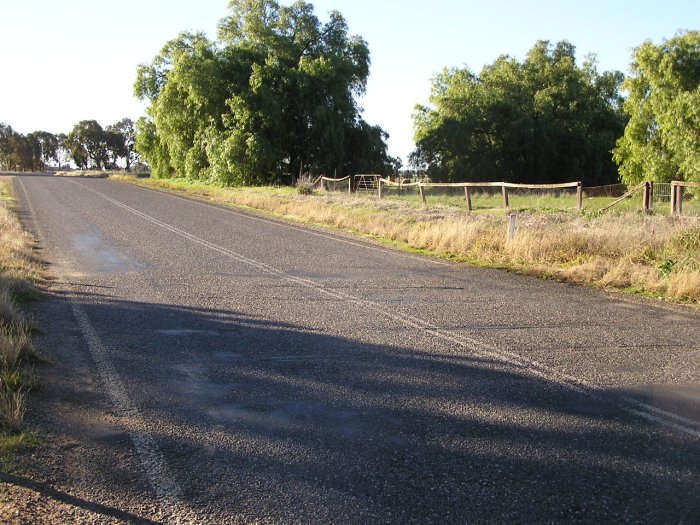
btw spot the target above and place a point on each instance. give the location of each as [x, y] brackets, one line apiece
[211, 366]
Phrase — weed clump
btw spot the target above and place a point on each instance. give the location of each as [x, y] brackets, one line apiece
[306, 185]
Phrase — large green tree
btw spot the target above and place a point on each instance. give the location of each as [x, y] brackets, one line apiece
[273, 96]
[662, 139]
[541, 120]
[88, 146]
[44, 147]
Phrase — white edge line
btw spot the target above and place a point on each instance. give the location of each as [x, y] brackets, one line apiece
[146, 448]
[162, 482]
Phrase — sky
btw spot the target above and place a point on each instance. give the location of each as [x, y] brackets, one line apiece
[71, 60]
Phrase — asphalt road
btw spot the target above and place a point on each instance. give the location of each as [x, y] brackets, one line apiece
[210, 366]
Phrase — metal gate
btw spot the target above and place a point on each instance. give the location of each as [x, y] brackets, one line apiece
[366, 182]
[661, 193]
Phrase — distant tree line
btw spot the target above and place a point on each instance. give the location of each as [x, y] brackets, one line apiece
[87, 146]
[274, 96]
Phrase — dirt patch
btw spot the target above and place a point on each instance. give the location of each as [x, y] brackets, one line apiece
[24, 502]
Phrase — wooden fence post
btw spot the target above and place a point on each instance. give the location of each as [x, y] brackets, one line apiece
[468, 197]
[322, 185]
[421, 189]
[511, 227]
[646, 199]
[349, 184]
[381, 193]
[506, 201]
[679, 199]
[579, 196]
[673, 198]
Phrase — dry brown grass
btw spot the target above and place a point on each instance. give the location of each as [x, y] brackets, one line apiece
[15, 347]
[654, 255]
[18, 270]
[13, 405]
[9, 314]
[18, 266]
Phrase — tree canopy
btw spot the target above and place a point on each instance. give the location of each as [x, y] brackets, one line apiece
[273, 96]
[538, 121]
[662, 140]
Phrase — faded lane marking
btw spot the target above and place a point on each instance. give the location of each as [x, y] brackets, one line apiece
[162, 482]
[155, 467]
[479, 348]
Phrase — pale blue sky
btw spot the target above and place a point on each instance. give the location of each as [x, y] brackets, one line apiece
[65, 61]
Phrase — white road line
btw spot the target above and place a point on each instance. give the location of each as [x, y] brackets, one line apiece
[163, 484]
[150, 456]
[661, 412]
[474, 346]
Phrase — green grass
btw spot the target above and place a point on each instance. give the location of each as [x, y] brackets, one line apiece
[11, 444]
[527, 200]
[486, 202]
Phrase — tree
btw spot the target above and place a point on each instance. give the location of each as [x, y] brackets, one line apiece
[186, 86]
[6, 133]
[17, 153]
[63, 154]
[541, 120]
[121, 140]
[275, 95]
[661, 141]
[34, 145]
[115, 144]
[45, 146]
[87, 143]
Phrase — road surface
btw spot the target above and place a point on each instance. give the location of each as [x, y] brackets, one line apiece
[213, 366]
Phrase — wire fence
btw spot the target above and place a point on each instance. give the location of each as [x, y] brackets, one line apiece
[486, 195]
[609, 190]
[343, 184]
[491, 196]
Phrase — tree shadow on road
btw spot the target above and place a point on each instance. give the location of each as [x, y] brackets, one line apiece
[281, 422]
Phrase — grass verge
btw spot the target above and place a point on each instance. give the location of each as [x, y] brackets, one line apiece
[19, 270]
[657, 256]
